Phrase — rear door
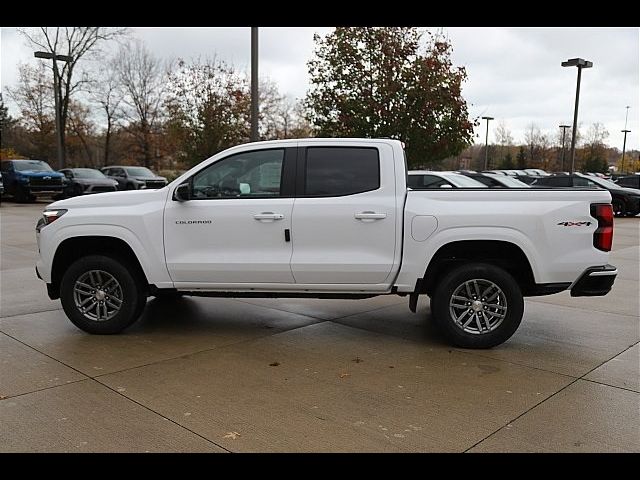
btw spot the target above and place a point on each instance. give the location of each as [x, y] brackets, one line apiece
[344, 216]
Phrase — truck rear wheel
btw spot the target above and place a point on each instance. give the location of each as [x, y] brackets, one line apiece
[100, 295]
[477, 306]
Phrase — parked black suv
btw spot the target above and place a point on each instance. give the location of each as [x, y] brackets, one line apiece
[625, 201]
[82, 181]
[629, 181]
[134, 178]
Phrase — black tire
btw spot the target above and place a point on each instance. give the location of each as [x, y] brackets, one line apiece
[442, 312]
[132, 288]
[22, 195]
[130, 186]
[618, 208]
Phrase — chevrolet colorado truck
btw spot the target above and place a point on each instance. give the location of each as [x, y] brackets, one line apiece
[325, 218]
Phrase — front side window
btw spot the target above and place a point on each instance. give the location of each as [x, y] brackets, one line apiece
[255, 174]
[338, 171]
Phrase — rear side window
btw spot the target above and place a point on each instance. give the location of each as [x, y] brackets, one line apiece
[557, 182]
[338, 171]
[630, 182]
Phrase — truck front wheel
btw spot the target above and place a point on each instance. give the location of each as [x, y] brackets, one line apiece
[477, 306]
[100, 295]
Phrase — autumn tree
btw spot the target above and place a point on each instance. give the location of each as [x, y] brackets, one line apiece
[143, 80]
[208, 106]
[75, 42]
[386, 82]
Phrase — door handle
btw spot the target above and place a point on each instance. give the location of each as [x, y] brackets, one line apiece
[370, 216]
[268, 216]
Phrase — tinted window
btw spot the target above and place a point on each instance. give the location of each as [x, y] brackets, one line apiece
[426, 181]
[333, 171]
[582, 182]
[248, 174]
[555, 181]
[629, 182]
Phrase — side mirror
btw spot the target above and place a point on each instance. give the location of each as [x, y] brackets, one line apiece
[182, 193]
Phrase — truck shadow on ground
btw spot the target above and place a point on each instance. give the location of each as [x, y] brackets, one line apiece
[200, 316]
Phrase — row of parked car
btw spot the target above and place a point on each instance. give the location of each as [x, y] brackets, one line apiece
[625, 190]
[25, 180]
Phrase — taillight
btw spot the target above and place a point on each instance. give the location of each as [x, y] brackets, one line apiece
[603, 236]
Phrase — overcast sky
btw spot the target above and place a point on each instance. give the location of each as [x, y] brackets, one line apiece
[514, 74]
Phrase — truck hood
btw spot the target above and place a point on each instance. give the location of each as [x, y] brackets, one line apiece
[39, 174]
[96, 181]
[111, 199]
[142, 179]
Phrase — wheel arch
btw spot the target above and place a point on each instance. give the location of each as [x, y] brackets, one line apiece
[73, 248]
[503, 254]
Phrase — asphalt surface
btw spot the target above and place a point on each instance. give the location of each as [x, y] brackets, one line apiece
[216, 375]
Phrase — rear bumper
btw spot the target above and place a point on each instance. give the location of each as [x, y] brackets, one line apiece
[594, 281]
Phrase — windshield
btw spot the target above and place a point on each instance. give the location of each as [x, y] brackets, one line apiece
[510, 181]
[462, 181]
[139, 172]
[34, 165]
[603, 183]
[87, 173]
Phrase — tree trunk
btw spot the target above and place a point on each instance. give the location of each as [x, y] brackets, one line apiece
[107, 141]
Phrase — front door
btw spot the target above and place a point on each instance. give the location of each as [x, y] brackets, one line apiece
[232, 229]
[344, 217]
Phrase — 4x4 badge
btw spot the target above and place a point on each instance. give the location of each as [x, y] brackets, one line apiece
[575, 224]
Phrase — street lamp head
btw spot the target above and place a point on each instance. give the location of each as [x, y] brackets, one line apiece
[487, 118]
[50, 56]
[625, 131]
[565, 126]
[577, 62]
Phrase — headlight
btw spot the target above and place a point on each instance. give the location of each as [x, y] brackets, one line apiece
[50, 216]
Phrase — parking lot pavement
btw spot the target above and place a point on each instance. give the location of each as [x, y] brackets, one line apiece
[241, 375]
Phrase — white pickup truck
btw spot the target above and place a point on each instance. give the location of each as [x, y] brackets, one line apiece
[325, 218]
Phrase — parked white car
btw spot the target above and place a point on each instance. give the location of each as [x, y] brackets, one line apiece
[327, 218]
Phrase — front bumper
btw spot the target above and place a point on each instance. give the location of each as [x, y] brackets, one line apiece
[594, 281]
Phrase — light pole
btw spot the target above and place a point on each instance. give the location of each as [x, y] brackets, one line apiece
[580, 63]
[564, 131]
[624, 144]
[486, 143]
[254, 84]
[57, 106]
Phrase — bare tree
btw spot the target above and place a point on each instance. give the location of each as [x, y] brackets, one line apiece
[106, 91]
[143, 80]
[503, 137]
[75, 42]
[532, 137]
[503, 134]
[33, 95]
